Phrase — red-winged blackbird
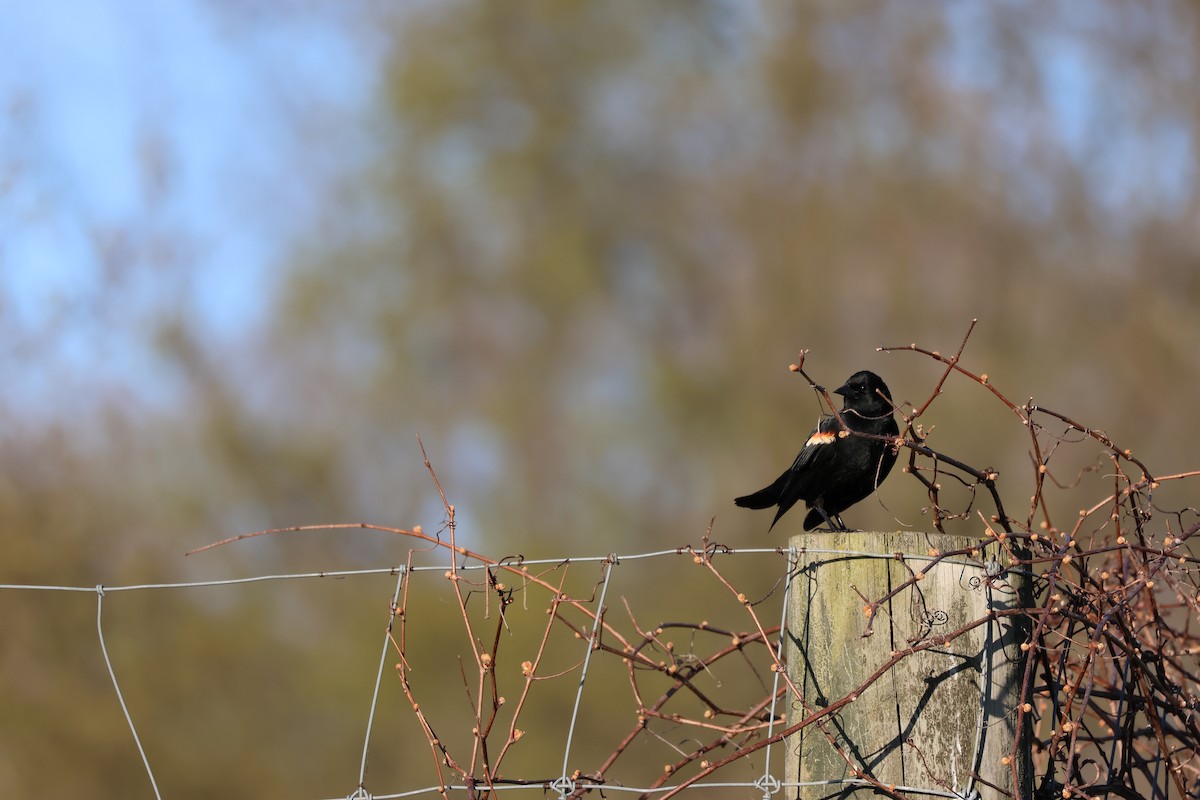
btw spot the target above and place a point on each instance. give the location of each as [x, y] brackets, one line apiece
[836, 469]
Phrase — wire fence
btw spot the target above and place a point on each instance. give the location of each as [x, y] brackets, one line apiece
[469, 750]
[583, 617]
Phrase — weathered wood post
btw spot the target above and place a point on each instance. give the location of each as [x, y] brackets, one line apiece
[934, 719]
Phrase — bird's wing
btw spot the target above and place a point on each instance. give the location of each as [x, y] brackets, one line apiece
[815, 458]
[816, 452]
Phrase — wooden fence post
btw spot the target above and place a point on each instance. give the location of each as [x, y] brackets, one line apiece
[943, 719]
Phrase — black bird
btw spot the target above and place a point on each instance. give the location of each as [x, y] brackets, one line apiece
[837, 468]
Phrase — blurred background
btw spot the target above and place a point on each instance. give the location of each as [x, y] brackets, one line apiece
[248, 251]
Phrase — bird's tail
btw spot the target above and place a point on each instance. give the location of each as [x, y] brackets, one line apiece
[770, 496]
[763, 498]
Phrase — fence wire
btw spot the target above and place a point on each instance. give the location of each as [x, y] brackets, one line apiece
[589, 624]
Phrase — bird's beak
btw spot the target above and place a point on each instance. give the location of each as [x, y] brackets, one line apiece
[844, 391]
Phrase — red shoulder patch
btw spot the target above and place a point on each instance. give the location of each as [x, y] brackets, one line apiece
[821, 437]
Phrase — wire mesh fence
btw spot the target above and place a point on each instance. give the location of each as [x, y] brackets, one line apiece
[530, 624]
[556, 686]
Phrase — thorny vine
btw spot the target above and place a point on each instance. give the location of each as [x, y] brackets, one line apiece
[1110, 686]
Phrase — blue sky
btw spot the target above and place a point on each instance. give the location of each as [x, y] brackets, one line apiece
[148, 154]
